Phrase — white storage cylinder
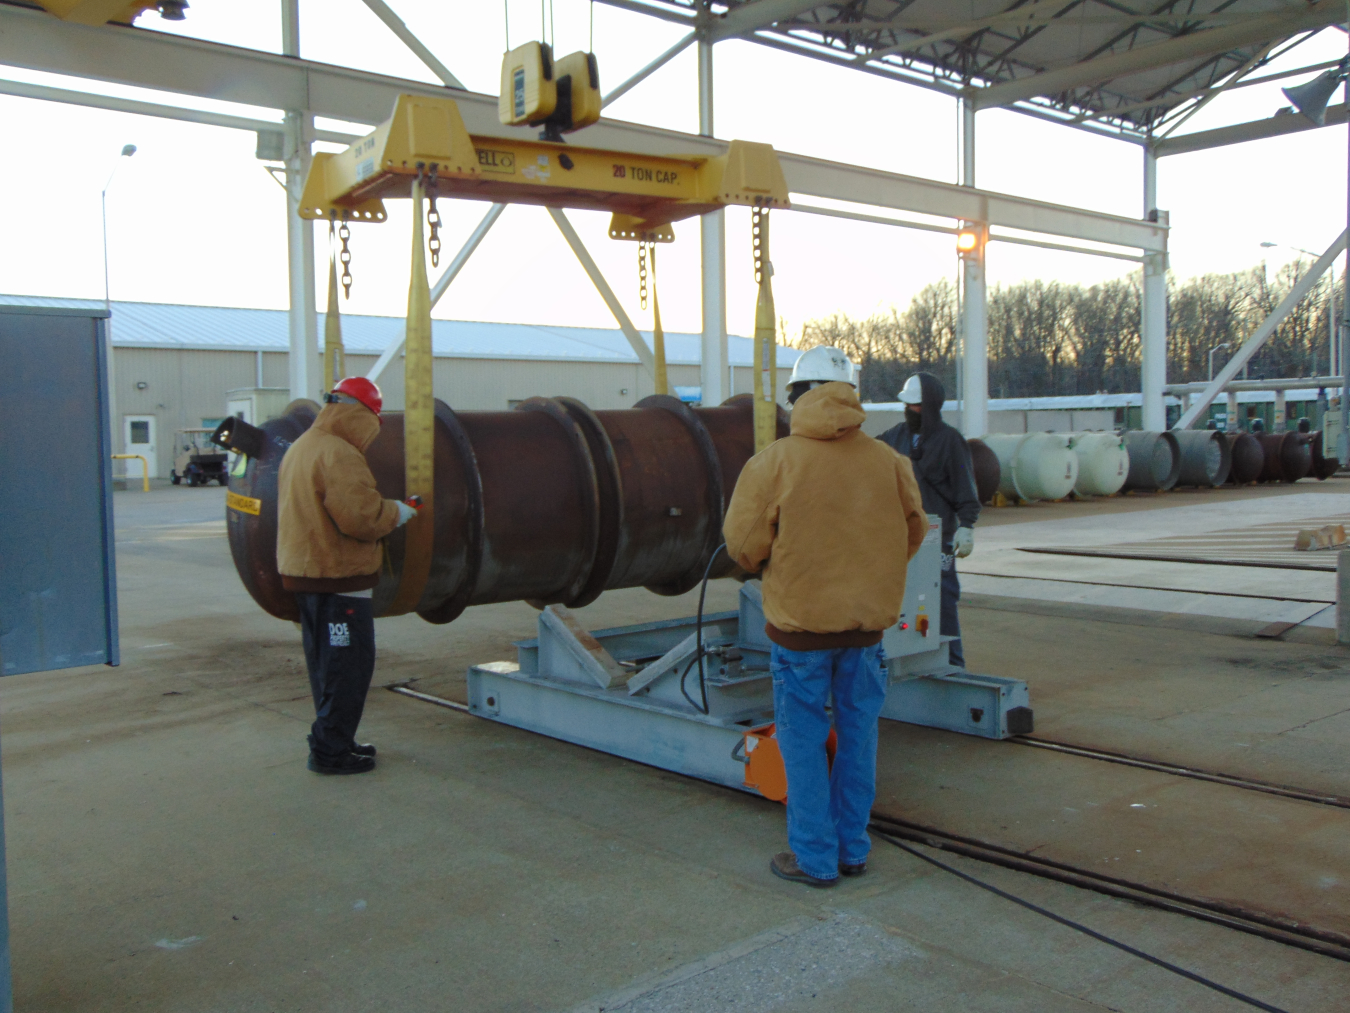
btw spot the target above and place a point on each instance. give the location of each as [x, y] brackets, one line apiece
[1103, 463]
[1034, 466]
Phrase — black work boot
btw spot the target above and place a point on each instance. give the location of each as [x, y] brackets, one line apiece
[784, 866]
[348, 763]
[856, 869]
[363, 749]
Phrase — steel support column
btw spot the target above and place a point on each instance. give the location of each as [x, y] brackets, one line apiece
[1343, 441]
[975, 329]
[713, 240]
[304, 325]
[1153, 316]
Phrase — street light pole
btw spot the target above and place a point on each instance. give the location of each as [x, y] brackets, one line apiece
[127, 151]
[1333, 358]
[1211, 356]
[1343, 444]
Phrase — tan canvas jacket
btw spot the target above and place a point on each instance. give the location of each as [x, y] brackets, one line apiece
[330, 516]
[832, 518]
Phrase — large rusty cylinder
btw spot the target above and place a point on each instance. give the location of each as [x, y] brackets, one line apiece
[548, 502]
[1287, 456]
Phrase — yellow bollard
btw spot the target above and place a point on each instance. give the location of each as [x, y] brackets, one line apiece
[145, 467]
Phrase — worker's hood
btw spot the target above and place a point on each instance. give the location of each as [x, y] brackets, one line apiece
[827, 412]
[930, 408]
[355, 423]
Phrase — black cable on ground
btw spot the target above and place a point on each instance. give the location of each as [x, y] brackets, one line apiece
[699, 652]
[1280, 930]
[1069, 923]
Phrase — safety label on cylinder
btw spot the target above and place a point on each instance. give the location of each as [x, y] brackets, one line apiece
[244, 504]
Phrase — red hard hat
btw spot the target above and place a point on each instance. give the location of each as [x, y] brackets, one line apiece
[363, 390]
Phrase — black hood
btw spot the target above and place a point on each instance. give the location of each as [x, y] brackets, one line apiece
[930, 408]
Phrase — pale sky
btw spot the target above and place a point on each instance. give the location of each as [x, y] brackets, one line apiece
[194, 218]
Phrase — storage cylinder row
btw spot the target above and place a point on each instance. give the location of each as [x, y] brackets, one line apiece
[1048, 466]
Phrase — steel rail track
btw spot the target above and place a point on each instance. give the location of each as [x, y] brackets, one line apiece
[1179, 770]
[1273, 927]
[1278, 929]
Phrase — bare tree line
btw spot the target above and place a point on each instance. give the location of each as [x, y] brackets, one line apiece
[1048, 338]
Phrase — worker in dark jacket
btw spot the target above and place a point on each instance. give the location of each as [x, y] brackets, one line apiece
[941, 460]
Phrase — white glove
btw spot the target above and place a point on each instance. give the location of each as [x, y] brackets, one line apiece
[963, 542]
[405, 514]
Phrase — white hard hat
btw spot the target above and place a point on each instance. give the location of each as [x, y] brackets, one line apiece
[912, 391]
[823, 364]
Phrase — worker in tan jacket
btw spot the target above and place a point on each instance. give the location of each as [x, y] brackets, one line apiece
[330, 519]
[831, 518]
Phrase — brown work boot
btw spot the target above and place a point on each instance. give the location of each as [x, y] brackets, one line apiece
[784, 866]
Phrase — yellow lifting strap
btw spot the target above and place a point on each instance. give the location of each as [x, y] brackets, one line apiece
[334, 355]
[419, 421]
[658, 335]
[766, 347]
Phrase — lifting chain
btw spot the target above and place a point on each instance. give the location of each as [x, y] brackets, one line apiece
[759, 229]
[433, 220]
[642, 274]
[345, 257]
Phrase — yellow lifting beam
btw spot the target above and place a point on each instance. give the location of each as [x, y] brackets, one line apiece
[644, 192]
[97, 12]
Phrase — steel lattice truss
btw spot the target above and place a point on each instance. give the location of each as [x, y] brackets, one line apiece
[1098, 59]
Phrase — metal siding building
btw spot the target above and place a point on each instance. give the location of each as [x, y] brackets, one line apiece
[172, 365]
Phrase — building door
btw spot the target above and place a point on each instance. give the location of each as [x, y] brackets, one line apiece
[138, 437]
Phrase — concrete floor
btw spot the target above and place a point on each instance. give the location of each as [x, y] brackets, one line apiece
[168, 850]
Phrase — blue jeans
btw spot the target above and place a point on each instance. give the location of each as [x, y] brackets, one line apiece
[828, 809]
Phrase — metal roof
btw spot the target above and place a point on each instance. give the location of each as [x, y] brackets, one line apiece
[1129, 66]
[230, 328]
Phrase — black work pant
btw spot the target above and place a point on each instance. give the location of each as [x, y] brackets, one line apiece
[951, 621]
[339, 634]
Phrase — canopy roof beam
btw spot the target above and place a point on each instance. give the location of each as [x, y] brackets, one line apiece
[1262, 333]
[750, 17]
[1254, 31]
[1271, 126]
[21, 89]
[396, 25]
[650, 69]
[170, 63]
